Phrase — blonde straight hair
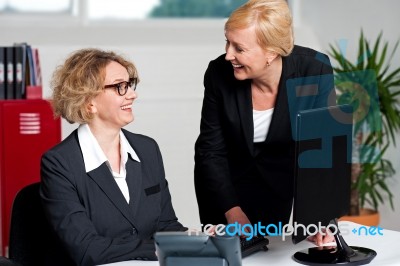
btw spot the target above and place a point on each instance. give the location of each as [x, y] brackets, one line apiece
[272, 20]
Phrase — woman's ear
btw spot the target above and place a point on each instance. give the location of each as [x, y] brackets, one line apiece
[91, 107]
[271, 56]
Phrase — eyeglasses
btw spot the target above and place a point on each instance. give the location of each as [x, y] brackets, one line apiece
[122, 87]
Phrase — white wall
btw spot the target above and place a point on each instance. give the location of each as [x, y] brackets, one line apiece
[172, 56]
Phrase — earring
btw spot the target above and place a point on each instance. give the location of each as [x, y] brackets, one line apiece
[268, 64]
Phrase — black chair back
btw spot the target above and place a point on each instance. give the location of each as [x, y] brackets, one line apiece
[32, 242]
[7, 262]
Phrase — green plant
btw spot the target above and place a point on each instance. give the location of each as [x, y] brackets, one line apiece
[372, 88]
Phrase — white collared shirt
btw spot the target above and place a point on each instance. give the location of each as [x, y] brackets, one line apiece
[93, 156]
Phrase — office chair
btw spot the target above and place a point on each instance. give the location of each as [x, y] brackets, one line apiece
[32, 242]
[7, 262]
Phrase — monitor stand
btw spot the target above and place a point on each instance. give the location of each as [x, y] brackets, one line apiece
[340, 254]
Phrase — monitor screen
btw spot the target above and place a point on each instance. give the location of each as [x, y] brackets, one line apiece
[323, 183]
[323, 167]
[197, 249]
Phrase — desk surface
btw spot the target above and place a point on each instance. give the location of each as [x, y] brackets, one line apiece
[280, 252]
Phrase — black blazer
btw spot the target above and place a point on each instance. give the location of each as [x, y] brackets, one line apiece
[89, 212]
[229, 169]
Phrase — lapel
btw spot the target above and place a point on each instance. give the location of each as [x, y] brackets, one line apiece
[244, 103]
[281, 110]
[104, 179]
[134, 181]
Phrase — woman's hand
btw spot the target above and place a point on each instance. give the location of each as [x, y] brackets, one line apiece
[237, 215]
[320, 239]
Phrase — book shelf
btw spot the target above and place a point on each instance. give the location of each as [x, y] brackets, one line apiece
[20, 72]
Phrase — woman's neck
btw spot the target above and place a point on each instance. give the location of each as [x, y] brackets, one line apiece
[264, 90]
[269, 82]
[109, 141]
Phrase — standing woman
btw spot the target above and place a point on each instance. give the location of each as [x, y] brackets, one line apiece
[103, 188]
[244, 155]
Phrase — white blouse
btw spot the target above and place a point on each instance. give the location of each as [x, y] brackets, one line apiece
[261, 121]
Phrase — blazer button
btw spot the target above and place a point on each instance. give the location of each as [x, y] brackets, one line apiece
[133, 231]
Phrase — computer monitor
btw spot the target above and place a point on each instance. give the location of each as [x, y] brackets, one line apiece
[197, 249]
[322, 184]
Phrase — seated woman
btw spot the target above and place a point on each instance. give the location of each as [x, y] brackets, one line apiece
[103, 188]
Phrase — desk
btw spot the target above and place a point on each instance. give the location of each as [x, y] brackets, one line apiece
[280, 252]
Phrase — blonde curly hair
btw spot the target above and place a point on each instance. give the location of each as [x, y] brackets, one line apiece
[80, 79]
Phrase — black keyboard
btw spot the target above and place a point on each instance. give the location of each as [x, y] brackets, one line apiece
[255, 244]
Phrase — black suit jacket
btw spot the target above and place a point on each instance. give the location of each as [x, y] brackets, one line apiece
[229, 169]
[89, 212]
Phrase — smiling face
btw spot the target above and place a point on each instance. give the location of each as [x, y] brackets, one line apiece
[111, 110]
[248, 58]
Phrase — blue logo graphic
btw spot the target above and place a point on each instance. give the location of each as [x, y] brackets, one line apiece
[368, 231]
[358, 89]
